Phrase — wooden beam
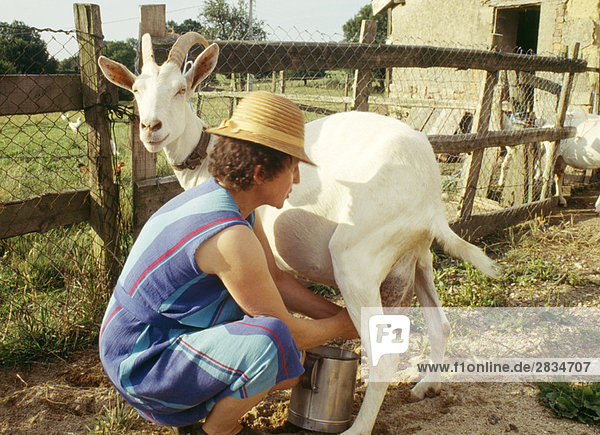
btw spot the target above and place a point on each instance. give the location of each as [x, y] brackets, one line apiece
[478, 226]
[42, 93]
[563, 104]
[154, 193]
[260, 56]
[469, 142]
[540, 83]
[379, 6]
[362, 77]
[143, 163]
[481, 126]
[44, 212]
[104, 193]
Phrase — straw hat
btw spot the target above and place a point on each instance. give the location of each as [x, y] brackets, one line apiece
[267, 119]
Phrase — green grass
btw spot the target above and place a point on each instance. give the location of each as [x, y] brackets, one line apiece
[51, 294]
[116, 417]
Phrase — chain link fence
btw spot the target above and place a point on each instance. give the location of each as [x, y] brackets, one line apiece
[51, 286]
[51, 289]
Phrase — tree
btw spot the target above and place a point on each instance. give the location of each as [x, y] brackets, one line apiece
[23, 51]
[69, 64]
[188, 25]
[223, 21]
[352, 34]
[122, 51]
[125, 53]
[352, 27]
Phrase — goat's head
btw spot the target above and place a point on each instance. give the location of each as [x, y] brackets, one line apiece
[162, 92]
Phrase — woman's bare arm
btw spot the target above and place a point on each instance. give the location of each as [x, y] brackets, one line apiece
[236, 256]
[296, 297]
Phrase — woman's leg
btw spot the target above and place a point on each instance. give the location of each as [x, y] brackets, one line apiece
[223, 419]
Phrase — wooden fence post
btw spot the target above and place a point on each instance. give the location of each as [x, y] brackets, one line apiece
[362, 78]
[104, 192]
[563, 104]
[143, 163]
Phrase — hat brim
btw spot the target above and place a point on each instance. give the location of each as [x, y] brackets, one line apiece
[237, 133]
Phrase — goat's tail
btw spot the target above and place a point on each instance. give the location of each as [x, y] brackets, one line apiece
[457, 247]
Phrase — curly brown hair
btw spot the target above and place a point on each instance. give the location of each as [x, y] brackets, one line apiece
[232, 162]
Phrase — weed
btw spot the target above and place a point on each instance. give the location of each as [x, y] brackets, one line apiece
[116, 417]
[580, 402]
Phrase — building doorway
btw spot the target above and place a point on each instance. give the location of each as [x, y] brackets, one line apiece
[519, 30]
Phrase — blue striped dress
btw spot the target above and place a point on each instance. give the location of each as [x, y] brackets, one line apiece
[173, 341]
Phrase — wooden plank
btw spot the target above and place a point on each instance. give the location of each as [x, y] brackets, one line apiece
[104, 193]
[513, 192]
[261, 56]
[42, 93]
[44, 212]
[540, 83]
[478, 226]
[374, 99]
[153, 21]
[481, 126]
[563, 104]
[363, 77]
[379, 6]
[512, 3]
[143, 164]
[469, 142]
[153, 193]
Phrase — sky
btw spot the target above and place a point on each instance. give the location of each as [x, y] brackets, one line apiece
[311, 20]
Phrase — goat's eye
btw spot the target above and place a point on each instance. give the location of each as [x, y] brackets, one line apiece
[181, 91]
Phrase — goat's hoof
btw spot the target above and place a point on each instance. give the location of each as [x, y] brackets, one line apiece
[425, 389]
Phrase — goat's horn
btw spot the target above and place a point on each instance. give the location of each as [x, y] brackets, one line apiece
[147, 51]
[183, 45]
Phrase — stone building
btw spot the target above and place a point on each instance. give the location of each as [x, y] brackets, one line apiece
[544, 27]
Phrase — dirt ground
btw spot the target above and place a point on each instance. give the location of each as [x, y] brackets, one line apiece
[68, 396]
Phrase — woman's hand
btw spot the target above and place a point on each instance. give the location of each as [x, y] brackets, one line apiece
[347, 329]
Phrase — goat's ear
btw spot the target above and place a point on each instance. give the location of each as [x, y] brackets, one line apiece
[116, 73]
[203, 65]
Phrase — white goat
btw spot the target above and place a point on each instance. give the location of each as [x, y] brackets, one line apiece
[362, 220]
[581, 151]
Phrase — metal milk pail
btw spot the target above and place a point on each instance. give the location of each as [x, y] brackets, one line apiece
[322, 401]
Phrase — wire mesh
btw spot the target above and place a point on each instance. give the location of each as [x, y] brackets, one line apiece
[51, 291]
[51, 287]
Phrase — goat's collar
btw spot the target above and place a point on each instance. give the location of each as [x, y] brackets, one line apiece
[197, 155]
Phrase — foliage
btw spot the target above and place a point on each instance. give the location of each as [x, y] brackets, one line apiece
[69, 65]
[117, 417]
[580, 402]
[188, 25]
[220, 20]
[122, 51]
[352, 27]
[351, 31]
[22, 51]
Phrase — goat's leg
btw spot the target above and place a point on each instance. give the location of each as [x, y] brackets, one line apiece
[504, 166]
[438, 327]
[357, 278]
[597, 205]
[559, 172]
[546, 181]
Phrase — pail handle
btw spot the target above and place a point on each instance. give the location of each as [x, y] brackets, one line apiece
[308, 379]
